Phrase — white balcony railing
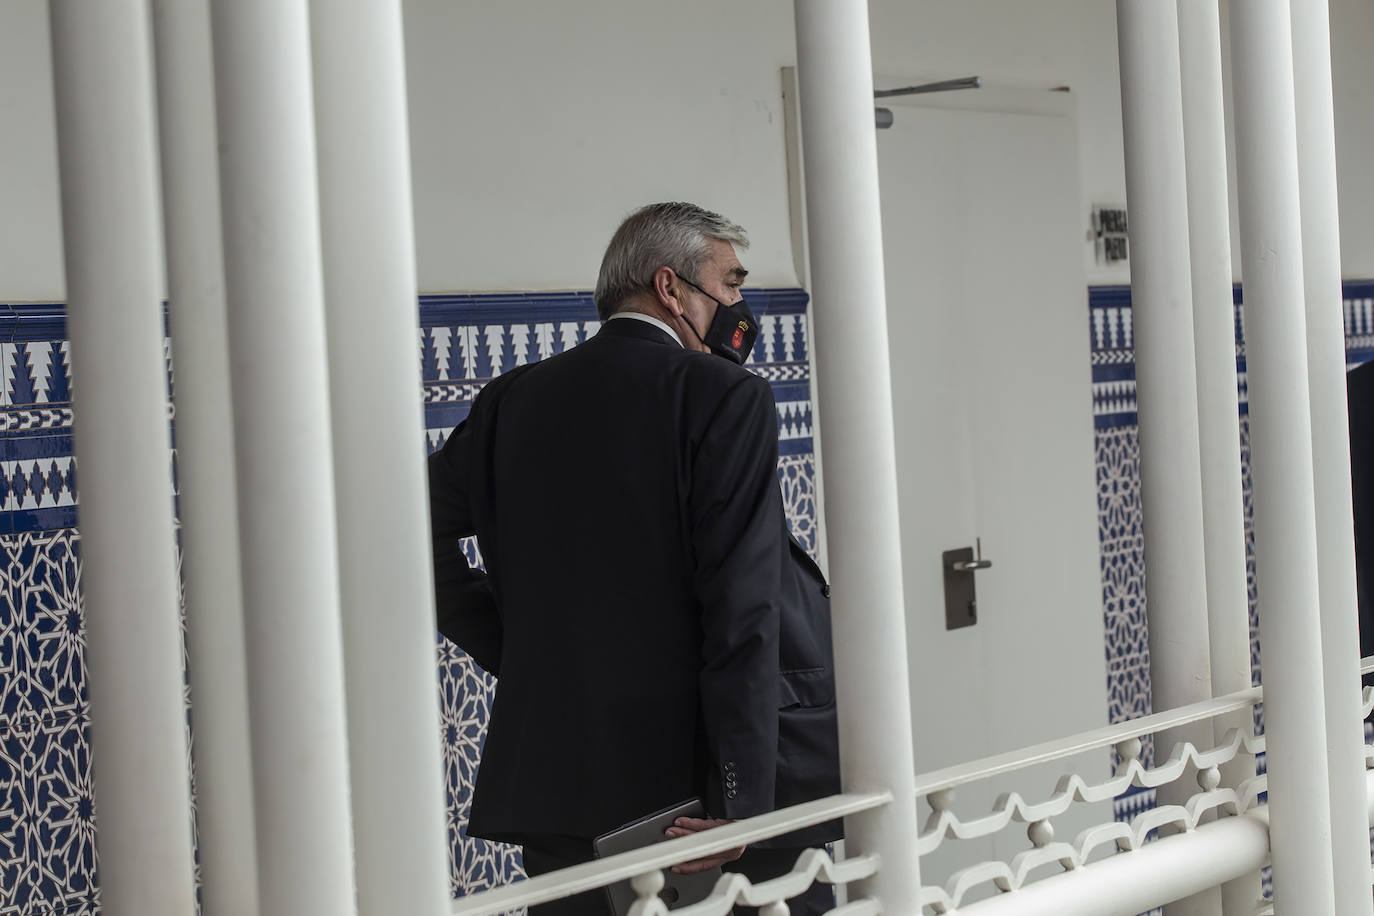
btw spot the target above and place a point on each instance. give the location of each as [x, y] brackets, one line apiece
[644, 867]
[1210, 801]
[1163, 854]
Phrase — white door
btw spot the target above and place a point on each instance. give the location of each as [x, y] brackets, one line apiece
[987, 320]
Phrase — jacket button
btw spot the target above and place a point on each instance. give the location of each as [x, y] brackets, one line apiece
[731, 794]
[729, 765]
[825, 590]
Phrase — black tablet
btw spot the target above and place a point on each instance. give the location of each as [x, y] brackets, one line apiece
[678, 890]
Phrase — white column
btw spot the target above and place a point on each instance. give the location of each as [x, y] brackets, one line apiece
[1281, 456]
[1321, 255]
[1214, 336]
[283, 450]
[205, 447]
[1166, 380]
[107, 158]
[395, 757]
[835, 74]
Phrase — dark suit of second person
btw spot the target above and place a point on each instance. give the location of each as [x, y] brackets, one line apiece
[1360, 395]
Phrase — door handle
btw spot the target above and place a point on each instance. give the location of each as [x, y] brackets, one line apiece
[966, 565]
[961, 600]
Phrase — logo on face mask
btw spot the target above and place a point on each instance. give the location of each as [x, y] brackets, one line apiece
[733, 329]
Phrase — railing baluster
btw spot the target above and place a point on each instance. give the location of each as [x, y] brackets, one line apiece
[282, 445]
[859, 479]
[385, 558]
[1214, 332]
[205, 443]
[1166, 373]
[1321, 256]
[107, 157]
[1282, 464]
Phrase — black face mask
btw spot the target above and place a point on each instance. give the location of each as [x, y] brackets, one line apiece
[733, 330]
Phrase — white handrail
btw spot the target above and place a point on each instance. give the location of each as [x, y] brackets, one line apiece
[1367, 664]
[592, 875]
[959, 774]
[1163, 871]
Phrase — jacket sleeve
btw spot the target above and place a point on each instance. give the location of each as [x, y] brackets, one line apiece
[464, 603]
[736, 512]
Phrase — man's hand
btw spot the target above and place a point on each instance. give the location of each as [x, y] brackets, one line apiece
[686, 826]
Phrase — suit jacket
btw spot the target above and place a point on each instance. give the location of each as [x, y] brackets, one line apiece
[652, 636]
[808, 737]
[1360, 395]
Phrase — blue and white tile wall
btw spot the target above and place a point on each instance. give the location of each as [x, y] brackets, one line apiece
[47, 811]
[47, 830]
[47, 807]
[1118, 494]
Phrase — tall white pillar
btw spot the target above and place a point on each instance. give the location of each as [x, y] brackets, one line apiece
[1281, 456]
[205, 446]
[835, 73]
[107, 158]
[1166, 380]
[283, 449]
[1214, 336]
[395, 757]
[1321, 256]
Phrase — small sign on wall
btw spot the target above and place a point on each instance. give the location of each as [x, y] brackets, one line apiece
[1109, 233]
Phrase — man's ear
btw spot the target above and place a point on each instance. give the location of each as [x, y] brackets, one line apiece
[664, 290]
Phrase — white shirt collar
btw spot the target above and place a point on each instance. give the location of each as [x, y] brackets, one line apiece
[656, 322]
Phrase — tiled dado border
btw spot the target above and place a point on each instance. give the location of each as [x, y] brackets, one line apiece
[1118, 491]
[47, 811]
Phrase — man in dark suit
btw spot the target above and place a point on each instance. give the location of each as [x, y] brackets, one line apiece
[655, 632]
[1360, 396]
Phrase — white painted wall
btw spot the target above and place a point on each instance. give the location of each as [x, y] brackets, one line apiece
[1072, 43]
[1352, 74]
[30, 222]
[536, 126]
[1018, 45]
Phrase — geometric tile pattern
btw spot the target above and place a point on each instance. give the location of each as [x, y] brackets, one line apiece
[47, 806]
[1118, 494]
[47, 826]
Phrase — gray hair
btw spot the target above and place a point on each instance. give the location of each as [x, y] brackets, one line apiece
[675, 235]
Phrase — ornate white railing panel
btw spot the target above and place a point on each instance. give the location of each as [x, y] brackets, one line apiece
[1221, 833]
[1210, 801]
[731, 889]
[1074, 788]
[1123, 885]
[644, 867]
